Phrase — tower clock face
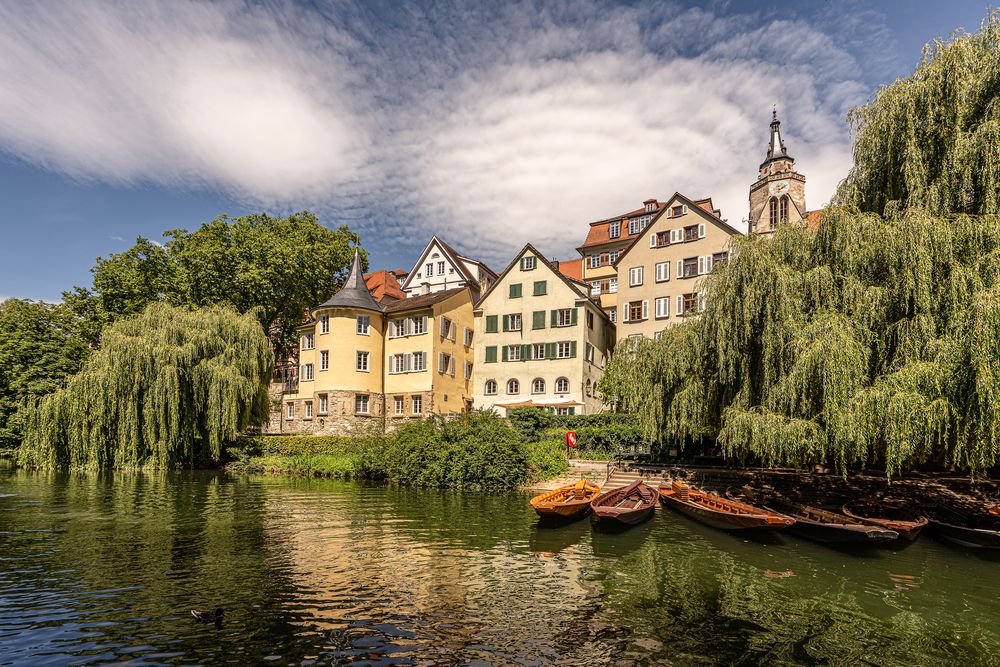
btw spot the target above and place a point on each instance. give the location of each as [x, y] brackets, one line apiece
[778, 188]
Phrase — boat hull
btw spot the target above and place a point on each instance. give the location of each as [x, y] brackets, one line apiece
[628, 506]
[833, 534]
[720, 520]
[971, 538]
[567, 503]
[564, 512]
[908, 529]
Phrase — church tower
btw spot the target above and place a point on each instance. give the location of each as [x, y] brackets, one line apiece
[779, 195]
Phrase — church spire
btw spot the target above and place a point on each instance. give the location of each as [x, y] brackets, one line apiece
[777, 147]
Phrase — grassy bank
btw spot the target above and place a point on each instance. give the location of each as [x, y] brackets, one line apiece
[478, 451]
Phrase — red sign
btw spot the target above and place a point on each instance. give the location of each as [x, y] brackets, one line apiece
[570, 438]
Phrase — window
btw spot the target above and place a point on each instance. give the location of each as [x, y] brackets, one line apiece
[324, 404]
[540, 288]
[397, 363]
[307, 372]
[538, 386]
[595, 288]
[564, 412]
[528, 263]
[689, 302]
[491, 354]
[429, 270]
[361, 404]
[290, 411]
[614, 255]
[662, 271]
[513, 387]
[562, 386]
[564, 350]
[662, 239]
[308, 341]
[467, 339]
[513, 353]
[440, 268]
[719, 259]
[361, 361]
[490, 389]
[468, 370]
[446, 363]
[515, 291]
[397, 328]
[447, 328]
[650, 206]
[419, 324]
[773, 213]
[363, 322]
[309, 409]
[419, 361]
[613, 315]
[491, 323]
[691, 233]
[324, 324]
[590, 320]
[538, 319]
[635, 276]
[589, 353]
[416, 405]
[615, 229]
[645, 220]
[538, 351]
[324, 360]
[612, 285]
[633, 226]
[399, 405]
[783, 209]
[676, 211]
[662, 307]
[689, 267]
[595, 261]
[565, 317]
[512, 322]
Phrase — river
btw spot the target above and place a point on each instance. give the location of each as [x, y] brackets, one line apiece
[106, 568]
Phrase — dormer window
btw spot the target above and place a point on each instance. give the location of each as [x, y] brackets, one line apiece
[650, 206]
[615, 230]
[633, 226]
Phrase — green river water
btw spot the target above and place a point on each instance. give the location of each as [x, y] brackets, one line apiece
[106, 568]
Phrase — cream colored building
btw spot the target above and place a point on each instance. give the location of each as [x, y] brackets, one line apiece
[429, 354]
[441, 267]
[660, 271]
[542, 341]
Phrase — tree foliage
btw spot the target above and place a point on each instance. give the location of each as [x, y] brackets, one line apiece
[876, 337]
[276, 267]
[167, 388]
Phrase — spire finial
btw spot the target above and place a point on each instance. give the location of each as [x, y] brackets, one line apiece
[774, 112]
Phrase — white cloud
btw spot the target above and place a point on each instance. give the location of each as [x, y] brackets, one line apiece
[491, 127]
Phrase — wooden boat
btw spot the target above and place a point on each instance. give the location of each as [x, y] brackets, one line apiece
[820, 525]
[628, 506]
[567, 502]
[719, 512]
[967, 528]
[888, 515]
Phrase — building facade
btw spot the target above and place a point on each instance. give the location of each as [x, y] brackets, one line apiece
[660, 271]
[779, 194]
[440, 267]
[541, 341]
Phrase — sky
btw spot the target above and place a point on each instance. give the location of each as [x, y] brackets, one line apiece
[488, 124]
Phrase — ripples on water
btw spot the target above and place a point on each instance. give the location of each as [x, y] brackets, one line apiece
[105, 568]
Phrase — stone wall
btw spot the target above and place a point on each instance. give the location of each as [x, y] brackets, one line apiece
[340, 418]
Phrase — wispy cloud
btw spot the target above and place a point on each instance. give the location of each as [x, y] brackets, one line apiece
[491, 127]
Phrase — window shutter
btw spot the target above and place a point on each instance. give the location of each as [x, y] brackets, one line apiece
[453, 331]
[673, 236]
[491, 324]
[645, 309]
[491, 354]
[423, 323]
[624, 312]
[505, 353]
[701, 302]
[572, 317]
[441, 365]
[701, 265]
[506, 323]
[525, 352]
[701, 230]
[451, 367]
[555, 318]
[652, 240]
[538, 319]
[666, 270]
[522, 263]
[680, 268]
[550, 350]
[680, 304]
[709, 263]
[685, 210]
[572, 411]
[572, 349]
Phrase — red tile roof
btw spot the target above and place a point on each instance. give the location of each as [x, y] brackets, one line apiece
[600, 231]
[571, 268]
[384, 286]
[424, 300]
[813, 218]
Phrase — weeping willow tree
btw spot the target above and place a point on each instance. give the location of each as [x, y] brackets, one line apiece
[874, 338]
[167, 388]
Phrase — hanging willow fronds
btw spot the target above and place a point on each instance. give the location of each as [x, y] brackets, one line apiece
[167, 388]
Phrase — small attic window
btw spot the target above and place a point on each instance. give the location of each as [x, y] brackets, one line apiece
[435, 255]
[650, 206]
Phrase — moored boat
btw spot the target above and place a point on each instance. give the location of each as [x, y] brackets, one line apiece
[719, 512]
[888, 515]
[628, 506]
[827, 527]
[967, 528]
[567, 502]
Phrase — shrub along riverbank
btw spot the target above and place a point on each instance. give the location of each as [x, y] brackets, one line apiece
[477, 451]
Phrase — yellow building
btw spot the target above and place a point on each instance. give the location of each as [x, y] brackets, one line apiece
[542, 340]
[428, 354]
[659, 272]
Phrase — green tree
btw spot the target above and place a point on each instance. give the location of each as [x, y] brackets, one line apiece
[167, 388]
[277, 267]
[39, 347]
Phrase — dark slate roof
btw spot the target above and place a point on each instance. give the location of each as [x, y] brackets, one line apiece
[422, 301]
[354, 293]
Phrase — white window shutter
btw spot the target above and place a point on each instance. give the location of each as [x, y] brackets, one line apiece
[625, 312]
[666, 307]
[441, 368]
[652, 240]
[701, 265]
[666, 270]
[701, 302]
[680, 304]
[685, 209]
[680, 268]
[709, 263]
[701, 230]
[451, 366]
[645, 309]
[673, 236]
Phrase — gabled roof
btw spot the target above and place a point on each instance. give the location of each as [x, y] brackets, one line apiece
[424, 300]
[456, 259]
[384, 286]
[354, 293]
[692, 205]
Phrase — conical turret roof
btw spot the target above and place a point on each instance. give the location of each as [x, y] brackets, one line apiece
[354, 293]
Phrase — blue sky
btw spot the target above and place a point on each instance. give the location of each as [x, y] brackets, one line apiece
[489, 126]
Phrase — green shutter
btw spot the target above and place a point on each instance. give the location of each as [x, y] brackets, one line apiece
[572, 411]
[538, 319]
[491, 354]
[491, 324]
[540, 288]
[515, 291]
[555, 317]
[505, 352]
[506, 323]
[572, 317]
[572, 349]
[525, 352]
[550, 350]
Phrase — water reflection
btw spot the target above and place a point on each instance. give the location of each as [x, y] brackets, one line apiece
[100, 568]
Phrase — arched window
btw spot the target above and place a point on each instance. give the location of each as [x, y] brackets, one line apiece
[562, 386]
[513, 387]
[783, 208]
[538, 386]
[491, 388]
[590, 388]
[773, 211]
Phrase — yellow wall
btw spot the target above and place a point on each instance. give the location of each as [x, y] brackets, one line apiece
[343, 342]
